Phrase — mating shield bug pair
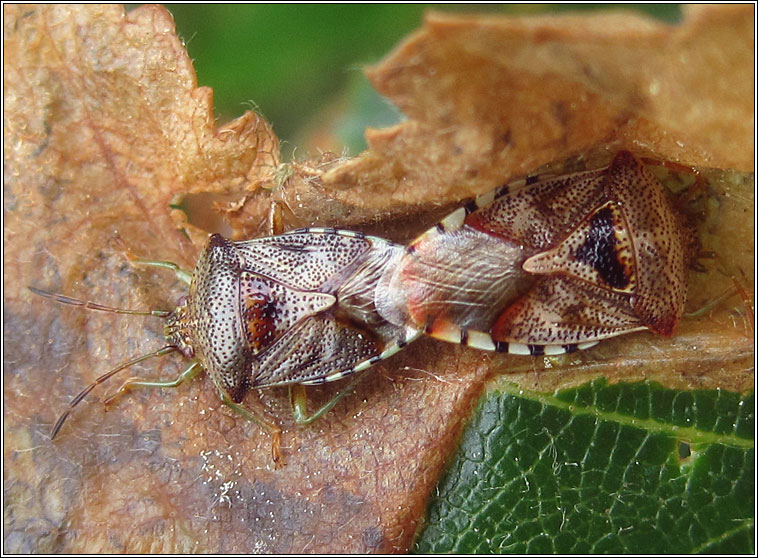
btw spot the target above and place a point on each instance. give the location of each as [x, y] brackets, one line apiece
[543, 266]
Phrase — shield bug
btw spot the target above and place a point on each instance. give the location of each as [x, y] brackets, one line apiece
[291, 309]
[547, 265]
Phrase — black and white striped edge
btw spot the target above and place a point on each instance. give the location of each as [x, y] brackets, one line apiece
[411, 334]
[453, 333]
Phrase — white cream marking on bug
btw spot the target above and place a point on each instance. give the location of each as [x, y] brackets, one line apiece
[519, 349]
[480, 340]
[484, 200]
[411, 333]
[455, 220]
[389, 351]
[448, 332]
[554, 350]
[357, 368]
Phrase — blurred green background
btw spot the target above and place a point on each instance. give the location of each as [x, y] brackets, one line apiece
[300, 65]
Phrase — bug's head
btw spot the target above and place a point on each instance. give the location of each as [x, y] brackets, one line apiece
[177, 329]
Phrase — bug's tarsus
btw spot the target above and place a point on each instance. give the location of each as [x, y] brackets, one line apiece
[59, 423]
[746, 301]
[270, 427]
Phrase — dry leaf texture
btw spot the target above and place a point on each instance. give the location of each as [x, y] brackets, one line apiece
[105, 128]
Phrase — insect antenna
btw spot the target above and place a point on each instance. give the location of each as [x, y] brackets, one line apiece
[63, 299]
[159, 353]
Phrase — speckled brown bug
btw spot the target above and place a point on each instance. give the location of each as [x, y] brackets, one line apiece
[291, 309]
[547, 265]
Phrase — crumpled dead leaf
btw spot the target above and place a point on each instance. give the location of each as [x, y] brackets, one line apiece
[105, 129]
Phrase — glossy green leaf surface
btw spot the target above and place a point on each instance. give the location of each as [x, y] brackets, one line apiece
[625, 468]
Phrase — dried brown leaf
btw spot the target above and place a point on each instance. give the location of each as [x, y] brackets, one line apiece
[105, 127]
[489, 98]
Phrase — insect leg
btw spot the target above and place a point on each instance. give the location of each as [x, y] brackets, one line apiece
[272, 429]
[299, 402]
[192, 370]
[184, 276]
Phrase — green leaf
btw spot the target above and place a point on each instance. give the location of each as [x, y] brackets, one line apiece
[600, 469]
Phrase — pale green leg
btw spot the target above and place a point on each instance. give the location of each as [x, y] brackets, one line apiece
[299, 401]
[184, 276]
[192, 370]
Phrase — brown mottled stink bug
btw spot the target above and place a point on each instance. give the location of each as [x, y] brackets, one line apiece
[291, 309]
[547, 265]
